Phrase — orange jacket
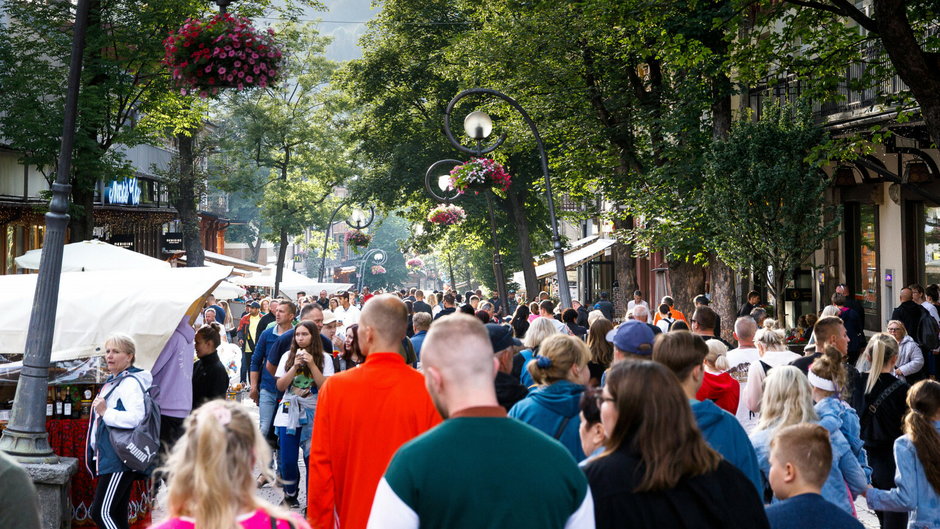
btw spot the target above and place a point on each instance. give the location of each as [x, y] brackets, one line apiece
[674, 312]
[363, 416]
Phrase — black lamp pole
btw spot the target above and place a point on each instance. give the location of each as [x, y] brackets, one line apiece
[26, 438]
[564, 292]
[329, 227]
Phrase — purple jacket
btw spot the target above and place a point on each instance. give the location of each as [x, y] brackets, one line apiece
[173, 372]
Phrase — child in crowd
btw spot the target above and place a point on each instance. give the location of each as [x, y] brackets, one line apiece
[828, 377]
[210, 484]
[917, 454]
[800, 460]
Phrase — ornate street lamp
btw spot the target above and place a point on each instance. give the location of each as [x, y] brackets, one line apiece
[479, 126]
[377, 256]
[448, 194]
[357, 220]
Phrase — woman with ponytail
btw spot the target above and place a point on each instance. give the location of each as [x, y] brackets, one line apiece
[561, 373]
[211, 482]
[882, 402]
[828, 376]
[299, 375]
[918, 458]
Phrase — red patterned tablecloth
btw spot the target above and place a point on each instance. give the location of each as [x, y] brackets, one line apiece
[67, 437]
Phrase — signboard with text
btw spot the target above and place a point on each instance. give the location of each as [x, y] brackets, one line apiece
[126, 191]
[172, 241]
[123, 240]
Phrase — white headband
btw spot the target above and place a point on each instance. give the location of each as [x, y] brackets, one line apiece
[821, 383]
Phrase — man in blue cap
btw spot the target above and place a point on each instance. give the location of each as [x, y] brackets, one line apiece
[633, 340]
[508, 389]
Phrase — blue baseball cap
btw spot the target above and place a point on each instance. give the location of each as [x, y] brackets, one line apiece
[632, 336]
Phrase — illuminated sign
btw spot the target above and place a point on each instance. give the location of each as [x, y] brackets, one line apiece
[125, 191]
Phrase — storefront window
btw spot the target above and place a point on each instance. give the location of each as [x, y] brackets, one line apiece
[931, 254]
[868, 258]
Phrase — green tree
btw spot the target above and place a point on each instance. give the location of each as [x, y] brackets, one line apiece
[295, 132]
[765, 194]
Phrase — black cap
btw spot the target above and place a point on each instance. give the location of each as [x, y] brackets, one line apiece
[501, 337]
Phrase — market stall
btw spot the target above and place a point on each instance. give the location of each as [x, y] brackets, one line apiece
[291, 283]
[145, 304]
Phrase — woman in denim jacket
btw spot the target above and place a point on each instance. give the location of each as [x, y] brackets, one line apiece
[917, 454]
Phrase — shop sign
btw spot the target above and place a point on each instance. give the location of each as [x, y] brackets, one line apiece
[799, 294]
[123, 240]
[126, 191]
[173, 241]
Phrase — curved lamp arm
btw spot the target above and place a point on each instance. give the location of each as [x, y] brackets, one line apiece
[429, 187]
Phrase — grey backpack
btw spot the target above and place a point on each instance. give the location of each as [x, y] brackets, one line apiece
[138, 447]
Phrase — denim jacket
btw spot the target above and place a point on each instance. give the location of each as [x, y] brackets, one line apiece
[845, 470]
[837, 416]
[913, 492]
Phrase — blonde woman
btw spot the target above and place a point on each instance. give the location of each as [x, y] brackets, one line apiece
[562, 373]
[909, 365]
[539, 330]
[211, 474]
[773, 353]
[119, 404]
[788, 399]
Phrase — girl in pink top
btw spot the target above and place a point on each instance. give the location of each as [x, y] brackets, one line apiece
[211, 479]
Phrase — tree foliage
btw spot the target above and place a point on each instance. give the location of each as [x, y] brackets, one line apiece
[765, 195]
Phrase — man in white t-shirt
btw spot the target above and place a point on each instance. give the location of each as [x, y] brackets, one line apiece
[545, 311]
[739, 360]
[638, 301]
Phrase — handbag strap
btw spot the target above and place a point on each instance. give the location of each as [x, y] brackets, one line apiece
[561, 428]
[275, 520]
[873, 407]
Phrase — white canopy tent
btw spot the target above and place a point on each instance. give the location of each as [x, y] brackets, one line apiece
[228, 290]
[87, 256]
[291, 283]
[147, 305]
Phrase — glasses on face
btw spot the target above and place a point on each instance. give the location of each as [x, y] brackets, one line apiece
[601, 399]
[894, 329]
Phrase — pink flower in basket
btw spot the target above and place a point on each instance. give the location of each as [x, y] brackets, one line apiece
[479, 174]
[414, 263]
[378, 270]
[447, 215]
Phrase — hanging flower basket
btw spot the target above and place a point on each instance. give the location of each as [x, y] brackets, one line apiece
[447, 215]
[224, 51]
[479, 174]
[414, 264]
[358, 238]
[378, 270]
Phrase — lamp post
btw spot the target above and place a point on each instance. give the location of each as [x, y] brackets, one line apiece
[478, 126]
[25, 437]
[359, 223]
[378, 257]
[448, 194]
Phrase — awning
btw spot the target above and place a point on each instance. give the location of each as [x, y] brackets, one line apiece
[573, 258]
[226, 260]
[580, 243]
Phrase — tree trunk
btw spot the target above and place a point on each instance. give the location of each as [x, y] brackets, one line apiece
[82, 221]
[916, 67]
[624, 270]
[521, 225]
[724, 295]
[185, 200]
[256, 247]
[686, 280]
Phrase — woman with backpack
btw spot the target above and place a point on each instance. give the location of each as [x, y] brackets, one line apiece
[119, 404]
[881, 401]
[561, 372]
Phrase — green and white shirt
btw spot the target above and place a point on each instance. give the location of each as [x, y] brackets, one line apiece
[482, 469]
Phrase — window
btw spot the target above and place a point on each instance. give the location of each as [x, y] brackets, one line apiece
[861, 260]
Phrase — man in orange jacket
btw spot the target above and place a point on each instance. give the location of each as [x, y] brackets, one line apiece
[363, 416]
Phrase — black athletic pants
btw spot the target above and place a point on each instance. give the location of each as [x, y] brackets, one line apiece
[112, 496]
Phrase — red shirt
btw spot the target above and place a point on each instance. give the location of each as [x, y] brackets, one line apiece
[363, 416]
[723, 389]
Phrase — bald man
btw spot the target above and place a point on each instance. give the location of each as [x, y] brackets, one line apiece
[479, 456]
[363, 416]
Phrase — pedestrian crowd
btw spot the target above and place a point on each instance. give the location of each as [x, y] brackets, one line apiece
[534, 416]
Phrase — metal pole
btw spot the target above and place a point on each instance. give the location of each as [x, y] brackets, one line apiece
[326, 239]
[564, 291]
[497, 258]
[25, 438]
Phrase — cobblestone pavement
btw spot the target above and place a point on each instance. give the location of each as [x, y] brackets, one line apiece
[273, 494]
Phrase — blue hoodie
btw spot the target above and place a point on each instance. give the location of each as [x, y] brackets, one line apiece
[724, 433]
[545, 409]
